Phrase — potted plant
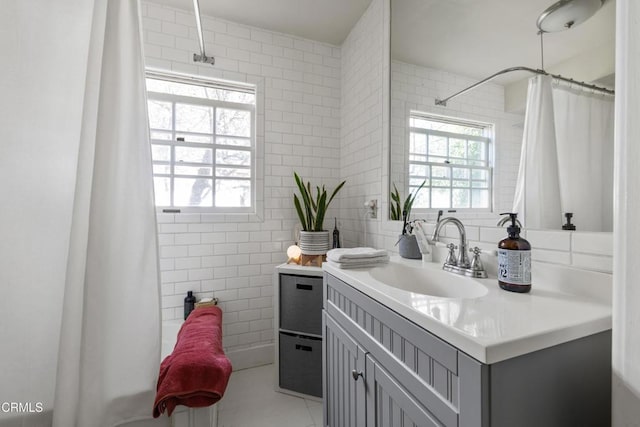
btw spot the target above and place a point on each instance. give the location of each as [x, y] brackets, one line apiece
[408, 243]
[311, 209]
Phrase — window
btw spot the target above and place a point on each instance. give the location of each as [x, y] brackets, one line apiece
[203, 143]
[453, 157]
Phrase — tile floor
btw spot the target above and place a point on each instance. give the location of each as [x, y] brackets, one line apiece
[251, 401]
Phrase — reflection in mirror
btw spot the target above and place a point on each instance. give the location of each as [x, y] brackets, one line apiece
[470, 151]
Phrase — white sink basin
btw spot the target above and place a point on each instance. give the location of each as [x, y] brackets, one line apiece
[428, 281]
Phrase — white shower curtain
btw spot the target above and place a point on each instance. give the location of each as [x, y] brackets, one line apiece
[566, 162]
[537, 197]
[584, 135]
[110, 339]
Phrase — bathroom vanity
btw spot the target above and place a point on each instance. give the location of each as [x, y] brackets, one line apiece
[396, 357]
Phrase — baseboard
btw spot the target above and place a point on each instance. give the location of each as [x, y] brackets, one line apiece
[251, 357]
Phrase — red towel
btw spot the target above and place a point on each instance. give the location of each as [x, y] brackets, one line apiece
[197, 372]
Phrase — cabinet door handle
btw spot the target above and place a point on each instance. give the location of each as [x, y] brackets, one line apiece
[355, 374]
[303, 347]
[304, 287]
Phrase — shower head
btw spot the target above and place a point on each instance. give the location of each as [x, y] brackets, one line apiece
[565, 14]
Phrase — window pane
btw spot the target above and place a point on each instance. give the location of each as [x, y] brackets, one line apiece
[458, 148]
[422, 199]
[479, 198]
[461, 198]
[162, 189]
[194, 118]
[194, 155]
[159, 115]
[233, 173]
[415, 158]
[440, 176]
[418, 143]
[479, 174]
[457, 183]
[161, 169]
[161, 152]
[477, 150]
[233, 157]
[233, 193]
[193, 170]
[437, 146]
[164, 136]
[417, 170]
[460, 173]
[440, 197]
[479, 184]
[192, 192]
[239, 142]
[415, 182]
[233, 122]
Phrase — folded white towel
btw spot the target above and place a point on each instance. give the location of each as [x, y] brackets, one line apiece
[343, 254]
[360, 263]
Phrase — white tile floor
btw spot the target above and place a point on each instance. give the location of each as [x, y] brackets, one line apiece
[251, 401]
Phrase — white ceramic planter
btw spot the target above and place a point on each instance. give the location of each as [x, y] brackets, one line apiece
[314, 242]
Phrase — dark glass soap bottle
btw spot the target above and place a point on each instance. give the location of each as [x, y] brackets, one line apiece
[189, 304]
[514, 260]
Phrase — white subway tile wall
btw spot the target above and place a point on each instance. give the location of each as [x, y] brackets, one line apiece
[232, 257]
[361, 160]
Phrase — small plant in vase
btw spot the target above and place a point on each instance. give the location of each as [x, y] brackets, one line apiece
[408, 244]
[311, 209]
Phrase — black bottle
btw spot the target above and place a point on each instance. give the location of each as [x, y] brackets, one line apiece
[336, 234]
[189, 304]
[514, 260]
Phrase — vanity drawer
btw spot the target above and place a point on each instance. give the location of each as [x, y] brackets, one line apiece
[301, 304]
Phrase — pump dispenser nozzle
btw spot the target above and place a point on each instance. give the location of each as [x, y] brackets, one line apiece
[513, 229]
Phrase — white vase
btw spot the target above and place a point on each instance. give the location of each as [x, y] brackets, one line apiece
[314, 242]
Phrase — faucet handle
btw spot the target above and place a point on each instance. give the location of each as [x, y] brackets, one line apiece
[477, 269]
[451, 258]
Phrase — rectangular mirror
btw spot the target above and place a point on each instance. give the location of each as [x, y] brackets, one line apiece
[468, 152]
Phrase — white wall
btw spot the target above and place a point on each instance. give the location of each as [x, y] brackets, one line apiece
[44, 49]
[361, 151]
[626, 292]
[232, 256]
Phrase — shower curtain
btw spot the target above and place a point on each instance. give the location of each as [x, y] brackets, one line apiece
[110, 338]
[566, 162]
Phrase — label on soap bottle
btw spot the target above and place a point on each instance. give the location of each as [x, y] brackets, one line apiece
[514, 267]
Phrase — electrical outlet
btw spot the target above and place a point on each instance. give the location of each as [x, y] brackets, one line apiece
[372, 208]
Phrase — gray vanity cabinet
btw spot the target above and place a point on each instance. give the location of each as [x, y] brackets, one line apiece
[384, 370]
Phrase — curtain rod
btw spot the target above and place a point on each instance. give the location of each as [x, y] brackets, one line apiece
[202, 57]
[443, 102]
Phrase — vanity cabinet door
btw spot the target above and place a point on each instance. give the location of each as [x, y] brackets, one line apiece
[344, 378]
[389, 404]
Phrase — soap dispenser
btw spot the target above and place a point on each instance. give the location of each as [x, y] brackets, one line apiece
[514, 260]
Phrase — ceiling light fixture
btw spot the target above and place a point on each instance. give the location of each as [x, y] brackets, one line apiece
[566, 14]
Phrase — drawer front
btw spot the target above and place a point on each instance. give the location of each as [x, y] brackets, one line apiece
[301, 364]
[425, 364]
[301, 304]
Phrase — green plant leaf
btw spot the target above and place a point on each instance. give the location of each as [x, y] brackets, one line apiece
[306, 199]
[395, 206]
[296, 202]
[335, 192]
[322, 210]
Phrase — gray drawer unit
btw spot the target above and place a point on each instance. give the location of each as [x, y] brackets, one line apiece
[301, 304]
[301, 364]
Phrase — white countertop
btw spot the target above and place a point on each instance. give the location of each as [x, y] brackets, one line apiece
[564, 304]
[299, 270]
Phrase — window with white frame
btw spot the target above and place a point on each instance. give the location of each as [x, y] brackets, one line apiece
[203, 143]
[453, 158]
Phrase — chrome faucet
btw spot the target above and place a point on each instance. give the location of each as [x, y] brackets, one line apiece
[463, 260]
[460, 264]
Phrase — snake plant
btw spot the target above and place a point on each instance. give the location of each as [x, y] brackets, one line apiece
[312, 210]
[397, 208]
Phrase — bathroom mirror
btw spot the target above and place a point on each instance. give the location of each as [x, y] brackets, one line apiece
[439, 47]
